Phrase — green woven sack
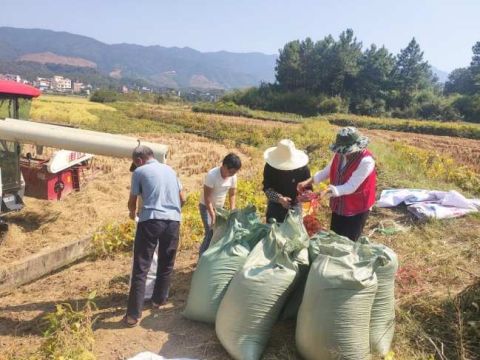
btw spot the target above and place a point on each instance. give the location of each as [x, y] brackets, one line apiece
[241, 231]
[258, 291]
[382, 322]
[334, 317]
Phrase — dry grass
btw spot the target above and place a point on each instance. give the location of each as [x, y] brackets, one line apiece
[433, 258]
[464, 151]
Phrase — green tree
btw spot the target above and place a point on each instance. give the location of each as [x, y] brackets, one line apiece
[307, 67]
[373, 81]
[475, 67]
[344, 63]
[289, 67]
[460, 81]
[321, 63]
[411, 73]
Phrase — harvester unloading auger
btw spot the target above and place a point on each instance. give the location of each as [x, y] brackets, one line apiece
[15, 102]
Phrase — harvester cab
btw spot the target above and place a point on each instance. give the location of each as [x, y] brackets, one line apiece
[15, 102]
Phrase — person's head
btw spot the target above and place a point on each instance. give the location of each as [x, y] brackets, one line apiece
[141, 154]
[230, 165]
[349, 141]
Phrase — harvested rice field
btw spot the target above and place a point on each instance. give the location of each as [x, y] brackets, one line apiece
[464, 151]
[103, 199]
[436, 286]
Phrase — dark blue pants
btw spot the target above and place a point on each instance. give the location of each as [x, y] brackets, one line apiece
[207, 229]
[149, 233]
[349, 226]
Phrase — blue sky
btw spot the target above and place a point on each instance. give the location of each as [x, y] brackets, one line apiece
[445, 29]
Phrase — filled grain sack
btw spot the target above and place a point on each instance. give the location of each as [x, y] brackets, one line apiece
[258, 291]
[221, 224]
[292, 304]
[382, 322]
[221, 261]
[294, 300]
[334, 317]
[326, 238]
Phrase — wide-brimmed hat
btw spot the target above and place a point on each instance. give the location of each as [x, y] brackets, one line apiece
[285, 156]
[349, 140]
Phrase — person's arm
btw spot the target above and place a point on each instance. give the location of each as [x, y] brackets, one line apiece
[181, 194]
[208, 191]
[307, 176]
[323, 174]
[268, 188]
[183, 197]
[319, 176]
[365, 168]
[132, 206]
[134, 193]
[232, 195]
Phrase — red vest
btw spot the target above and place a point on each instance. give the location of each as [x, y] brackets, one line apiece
[363, 198]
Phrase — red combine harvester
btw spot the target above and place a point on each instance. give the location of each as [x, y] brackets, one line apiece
[44, 178]
[56, 177]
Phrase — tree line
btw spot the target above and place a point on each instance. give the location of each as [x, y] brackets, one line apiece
[338, 75]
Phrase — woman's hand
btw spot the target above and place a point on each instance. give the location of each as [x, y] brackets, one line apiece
[301, 186]
[285, 201]
[326, 193]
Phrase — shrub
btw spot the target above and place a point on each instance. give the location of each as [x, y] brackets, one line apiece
[113, 238]
[104, 96]
[469, 107]
[370, 107]
[331, 105]
[68, 332]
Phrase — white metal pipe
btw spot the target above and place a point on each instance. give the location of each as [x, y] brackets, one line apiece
[87, 141]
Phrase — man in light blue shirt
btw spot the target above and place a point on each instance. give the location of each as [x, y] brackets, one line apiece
[158, 224]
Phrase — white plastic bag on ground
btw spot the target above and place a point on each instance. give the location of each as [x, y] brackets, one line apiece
[334, 317]
[258, 291]
[219, 263]
[151, 276]
[146, 355]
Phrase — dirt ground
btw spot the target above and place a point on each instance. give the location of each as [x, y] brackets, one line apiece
[162, 331]
[103, 200]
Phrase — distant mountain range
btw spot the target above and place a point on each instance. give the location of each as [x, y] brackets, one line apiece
[48, 51]
[36, 52]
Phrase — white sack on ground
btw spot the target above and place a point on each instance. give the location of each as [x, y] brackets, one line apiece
[258, 291]
[334, 317]
[430, 204]
[219, 263]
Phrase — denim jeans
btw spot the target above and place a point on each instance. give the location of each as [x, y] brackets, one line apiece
[207, 229]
